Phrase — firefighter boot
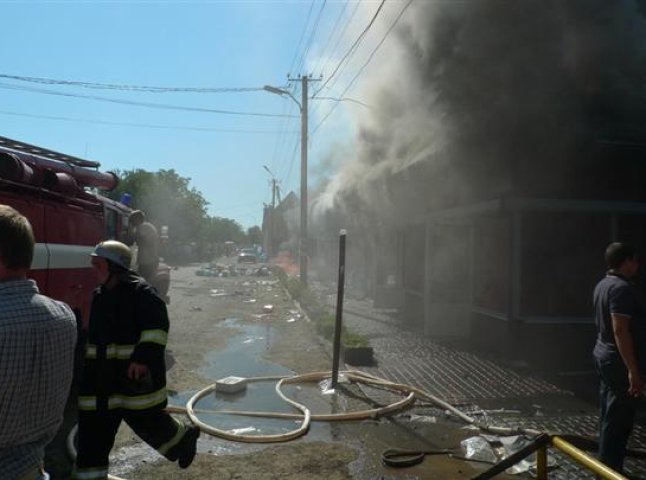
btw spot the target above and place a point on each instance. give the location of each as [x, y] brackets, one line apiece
[187, 447]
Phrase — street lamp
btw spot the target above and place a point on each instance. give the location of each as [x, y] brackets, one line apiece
[302, 105]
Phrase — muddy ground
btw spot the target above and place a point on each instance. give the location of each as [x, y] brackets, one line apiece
[219, 327]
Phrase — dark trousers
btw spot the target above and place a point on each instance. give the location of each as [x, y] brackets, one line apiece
[97, 431]
[617, 413]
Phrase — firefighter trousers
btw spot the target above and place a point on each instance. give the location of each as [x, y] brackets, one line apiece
[97, 431]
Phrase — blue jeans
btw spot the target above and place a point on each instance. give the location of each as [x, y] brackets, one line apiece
[617, 413]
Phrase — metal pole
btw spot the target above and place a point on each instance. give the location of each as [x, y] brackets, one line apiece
[339, 311]
[586, 460]
[272, 220]
[539, 442]
[541, 463]
[303, 240]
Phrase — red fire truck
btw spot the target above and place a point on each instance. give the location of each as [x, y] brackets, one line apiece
[58, 194]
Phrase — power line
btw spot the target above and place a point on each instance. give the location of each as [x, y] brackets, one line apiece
[374, 51]
[343, 99]
[340, 37]
[354, 46]
[342, 33]
[127, 124]
[132, 88]
[298, 47]
[291, 163]
[372, 54]
[308, 45]
[332, 33]
[138, 104]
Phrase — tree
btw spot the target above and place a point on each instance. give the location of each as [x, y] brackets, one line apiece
[222, 230]
[167, 199]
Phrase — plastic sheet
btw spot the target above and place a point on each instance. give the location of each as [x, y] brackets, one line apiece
[493, 448]
[478, 448]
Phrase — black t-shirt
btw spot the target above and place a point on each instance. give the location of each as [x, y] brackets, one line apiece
[615, 294]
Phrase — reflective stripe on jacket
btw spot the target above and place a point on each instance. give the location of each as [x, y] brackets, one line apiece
[128, 323]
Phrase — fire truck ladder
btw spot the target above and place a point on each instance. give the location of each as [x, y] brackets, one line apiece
[17, 146]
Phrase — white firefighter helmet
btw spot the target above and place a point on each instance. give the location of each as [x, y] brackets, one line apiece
[114, 251]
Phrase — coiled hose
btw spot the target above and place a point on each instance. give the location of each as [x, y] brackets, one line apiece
[410, 392]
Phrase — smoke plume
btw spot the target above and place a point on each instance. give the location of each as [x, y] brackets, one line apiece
[477, 99]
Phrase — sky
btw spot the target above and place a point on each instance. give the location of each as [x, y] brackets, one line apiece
[238, 46]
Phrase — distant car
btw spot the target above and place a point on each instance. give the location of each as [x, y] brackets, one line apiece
[247, 255]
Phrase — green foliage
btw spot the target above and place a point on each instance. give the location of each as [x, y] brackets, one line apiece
[220, 230]
[168, 199]
[324, 320]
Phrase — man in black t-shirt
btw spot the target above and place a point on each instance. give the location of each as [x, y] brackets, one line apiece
[620, 318]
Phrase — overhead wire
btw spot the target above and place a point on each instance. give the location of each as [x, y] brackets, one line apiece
[288, 176]
[135, 103]
[344, 99]
[308, 45]
[281, 138]
[133, 88]
[369, 59]
[300, 67]
[281, 141]
[342, 33]
[279, 157]
[329, 38]
[333, 79]
[338, 41]
[130, 124]
[353, 48]
[300, 41]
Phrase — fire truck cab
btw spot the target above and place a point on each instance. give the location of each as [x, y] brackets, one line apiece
[58, 194]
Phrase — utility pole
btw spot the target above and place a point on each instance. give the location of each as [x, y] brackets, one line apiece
[272, 212]
[272, 218]
[273, 193]
[303, 241]
[303, 247]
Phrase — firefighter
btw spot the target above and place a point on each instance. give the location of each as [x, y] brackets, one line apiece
[147, 239]
[124, 373]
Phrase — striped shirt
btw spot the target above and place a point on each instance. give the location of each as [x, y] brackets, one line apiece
[37, 341]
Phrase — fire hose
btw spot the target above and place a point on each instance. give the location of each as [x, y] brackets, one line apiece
[410, 392]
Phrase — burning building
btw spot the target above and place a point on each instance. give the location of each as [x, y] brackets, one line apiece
[505, 150]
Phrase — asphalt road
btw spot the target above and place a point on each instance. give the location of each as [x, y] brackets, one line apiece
[244, 324]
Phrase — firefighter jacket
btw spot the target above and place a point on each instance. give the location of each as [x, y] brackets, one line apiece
[128, 323]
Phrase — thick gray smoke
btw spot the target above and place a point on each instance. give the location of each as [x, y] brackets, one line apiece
[483, 98]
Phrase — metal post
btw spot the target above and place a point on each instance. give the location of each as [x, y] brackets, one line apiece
[272, 219]
[303, 240]
[539, 442]
[541, 463]
[272, 213]
[587, 461]
[338, 326]
[303, 246]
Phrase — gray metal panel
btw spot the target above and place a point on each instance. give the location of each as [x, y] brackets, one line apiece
[522, 204]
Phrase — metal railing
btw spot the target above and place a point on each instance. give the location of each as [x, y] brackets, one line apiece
[539, 446]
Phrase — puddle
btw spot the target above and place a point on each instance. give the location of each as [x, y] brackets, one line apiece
[242, 357]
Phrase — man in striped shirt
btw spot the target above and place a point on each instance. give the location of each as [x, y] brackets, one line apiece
[37, 341]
